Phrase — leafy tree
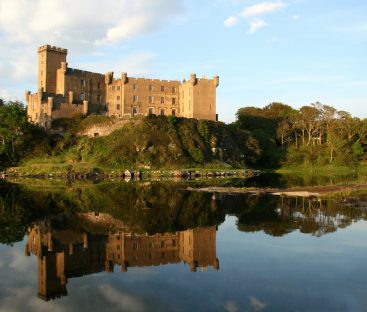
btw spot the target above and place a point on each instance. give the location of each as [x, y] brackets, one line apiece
[13, 130]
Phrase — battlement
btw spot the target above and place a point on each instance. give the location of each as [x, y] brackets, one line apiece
[74, 90]
[49, 48]
[75, 71]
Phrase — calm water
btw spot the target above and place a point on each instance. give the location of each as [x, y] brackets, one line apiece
[157, 247]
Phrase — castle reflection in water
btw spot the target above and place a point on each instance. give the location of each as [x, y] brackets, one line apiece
[67, 253]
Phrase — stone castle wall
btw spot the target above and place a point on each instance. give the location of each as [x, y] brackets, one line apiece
[64, 92]
[64, 254]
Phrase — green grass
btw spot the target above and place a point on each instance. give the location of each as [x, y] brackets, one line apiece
[321, 170]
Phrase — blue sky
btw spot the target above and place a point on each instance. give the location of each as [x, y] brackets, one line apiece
[296, 51]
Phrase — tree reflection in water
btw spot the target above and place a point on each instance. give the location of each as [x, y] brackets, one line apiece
[83, 229]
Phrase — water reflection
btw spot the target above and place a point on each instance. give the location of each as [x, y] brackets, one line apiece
[67, 253]
[279, 215]
[81, 229]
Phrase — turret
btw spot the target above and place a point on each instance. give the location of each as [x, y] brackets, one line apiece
[50, 59]
[193, 79]
[123, 78]
[124, 266]
[26, 251]
[71, 97]
[85, 107]
[108, 266]
[50, 101]
[216, 264]
[71, 249]
[108, 78]
[27, 95]
[64, 67]
[40, 93]
[193, 266]
[85, 240]
[216, 80]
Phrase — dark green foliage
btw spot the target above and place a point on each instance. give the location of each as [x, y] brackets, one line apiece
[266, 137]
[313, 135]
[158, 142]
[154, 208]
[18, 138]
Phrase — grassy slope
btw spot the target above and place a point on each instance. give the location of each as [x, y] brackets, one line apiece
[151, 143]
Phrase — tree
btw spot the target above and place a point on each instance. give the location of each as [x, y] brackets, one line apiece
[13, 123]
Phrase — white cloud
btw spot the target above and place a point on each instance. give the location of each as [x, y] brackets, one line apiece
[263, 8]
[255, 25]
[82, 26]
[122, 300]
[257, 304]
[296, 17]
[230, 21]
[251, 12]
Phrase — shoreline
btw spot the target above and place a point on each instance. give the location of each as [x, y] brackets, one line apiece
[307, 191]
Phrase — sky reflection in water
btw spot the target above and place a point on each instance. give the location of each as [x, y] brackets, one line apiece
[283, 259]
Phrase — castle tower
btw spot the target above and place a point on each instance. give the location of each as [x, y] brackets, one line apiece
[49, 61]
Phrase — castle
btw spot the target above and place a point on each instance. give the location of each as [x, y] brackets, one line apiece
[67, 253]
[65, 92]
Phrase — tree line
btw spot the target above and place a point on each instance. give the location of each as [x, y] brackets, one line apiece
[315, 134]
[273, 136]
[18, 137]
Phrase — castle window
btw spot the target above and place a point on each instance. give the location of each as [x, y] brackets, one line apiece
[174, 89]
[151, 110]
[135, 246]
[118, 97]
[41, 72]
[82, 96]
[118, 106]
[118, 247]
[150, 99]
[99, 85]
[173, 101]
[113, 88]
[134, 111]
[162, 112]
[173, 242]
[82, 82]
[34, 105]
[173, 112]
[151, 244]
[135, 98]
[162, 256]
[162, 100]
[118, 88]
[162, 244]
[135, 86]
[162, 88]
[151, 88]
[99, 99]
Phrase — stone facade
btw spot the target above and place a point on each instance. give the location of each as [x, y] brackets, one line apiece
[64, 92]
[64, 254]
